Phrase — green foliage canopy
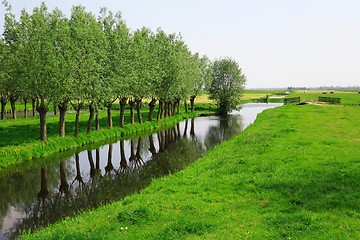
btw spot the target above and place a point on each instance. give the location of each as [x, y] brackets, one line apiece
[227, 84]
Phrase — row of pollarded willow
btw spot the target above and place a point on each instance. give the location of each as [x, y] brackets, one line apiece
[51, 59]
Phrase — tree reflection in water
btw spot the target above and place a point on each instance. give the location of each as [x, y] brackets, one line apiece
[146, 158]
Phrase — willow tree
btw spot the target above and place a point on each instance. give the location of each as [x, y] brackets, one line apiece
[167, 83]
[87, 55]
[227, 84]
[107, 23]
[3, 77]
[96, 83]
[142, 69]
[41, 62]
[119, 57]
[62, 45]
[11, 83]
[184, 74]
[202, 77]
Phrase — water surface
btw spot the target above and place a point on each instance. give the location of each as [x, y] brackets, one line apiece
[38, 196]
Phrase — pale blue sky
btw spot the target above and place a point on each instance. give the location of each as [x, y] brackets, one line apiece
[277, 43]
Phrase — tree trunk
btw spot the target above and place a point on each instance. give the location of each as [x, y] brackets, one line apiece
[42, 110]
[55, 112]
[77, 116]
[44, 192]
[97, 161]
[192, 100]
[165, 109]
[138, 109]
[13, 107]
[25, 108]
[161, 110]
[109, 165]
[3, 105]
[132, 106]
[178, 106]
[152, 148]
[185, 128]
[64, 186]
[192, 128]
[186, 106]
[122, 111]
[92, 165]
[109, 116]
[132, 151]
[62, 109]
[97, 121]
[33, 107]
[78, 176]
[151, 109]
[91, 118]
[169, 109]
[178, 130]
[173, 109]
[123, 162]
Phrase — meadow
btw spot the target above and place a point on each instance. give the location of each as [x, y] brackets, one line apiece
[293, 174]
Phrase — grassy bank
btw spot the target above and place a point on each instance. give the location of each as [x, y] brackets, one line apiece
[18, 138]
[293, 174]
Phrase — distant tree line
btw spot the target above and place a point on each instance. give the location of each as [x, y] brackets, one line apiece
[47, 58]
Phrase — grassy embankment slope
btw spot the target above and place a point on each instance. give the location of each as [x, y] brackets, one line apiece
[294, 174]
[18, 138]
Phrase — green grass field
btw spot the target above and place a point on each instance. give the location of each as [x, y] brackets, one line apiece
[293, 174]
[347, 97]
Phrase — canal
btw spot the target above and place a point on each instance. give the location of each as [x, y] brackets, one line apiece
[37, 196]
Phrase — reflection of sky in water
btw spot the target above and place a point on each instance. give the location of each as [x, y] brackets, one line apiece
[247, 115]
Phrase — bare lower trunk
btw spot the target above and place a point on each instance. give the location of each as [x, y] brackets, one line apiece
[152, 148]
[185, 128]
[192, 102]
[3, 105]
[165, 109]
[186, 106]
[132, 106]
[77, 116]
[55, 112]
[173, 108]
[62, 109]
[122, 111]
[192, 128]
[91, 118]
[97, 156]
[44, 192]
[123, 162]
[151, 109]
[92, 165]
[13, 107]
[138, 109]
[25, 108]
[64, 186]
[33, 107]
[109, 165]
[178, 106]
[109, 116]
[97, 121]
[161, 110]
[169, 109]
[42, 110]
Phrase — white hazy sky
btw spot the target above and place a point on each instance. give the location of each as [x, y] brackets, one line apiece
[277, 43]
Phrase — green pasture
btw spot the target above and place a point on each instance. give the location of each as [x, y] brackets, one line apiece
[347, 97]
[293, 174]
